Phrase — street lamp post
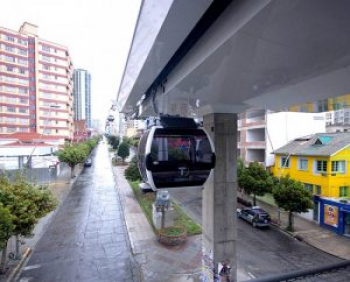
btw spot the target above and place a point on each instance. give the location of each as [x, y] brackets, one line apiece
[51, 106]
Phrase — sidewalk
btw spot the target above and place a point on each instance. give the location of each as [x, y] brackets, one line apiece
[158, 262]
[313, 234]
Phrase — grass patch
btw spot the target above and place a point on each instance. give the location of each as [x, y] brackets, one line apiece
[181, 218]
[145, 200]
[173, 231]
[267, 198]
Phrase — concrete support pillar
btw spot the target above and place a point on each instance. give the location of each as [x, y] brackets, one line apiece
[220, 198]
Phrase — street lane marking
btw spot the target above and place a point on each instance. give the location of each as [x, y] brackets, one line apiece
[251, 275]
[32, 267]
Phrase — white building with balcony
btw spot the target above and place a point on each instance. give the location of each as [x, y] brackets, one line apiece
[261, 132]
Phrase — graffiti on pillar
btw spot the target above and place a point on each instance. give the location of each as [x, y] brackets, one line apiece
[208, 265]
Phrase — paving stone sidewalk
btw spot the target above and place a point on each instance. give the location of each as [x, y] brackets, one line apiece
[158, 262]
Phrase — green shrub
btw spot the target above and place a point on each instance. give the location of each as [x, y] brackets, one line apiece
[123, 150]
[132, 172]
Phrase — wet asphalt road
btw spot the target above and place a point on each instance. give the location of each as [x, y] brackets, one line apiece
[266, 251]
[87, 239]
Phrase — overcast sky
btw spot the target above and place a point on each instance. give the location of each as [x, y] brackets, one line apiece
[97, 33]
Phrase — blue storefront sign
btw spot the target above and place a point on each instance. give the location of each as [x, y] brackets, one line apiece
[335, 215]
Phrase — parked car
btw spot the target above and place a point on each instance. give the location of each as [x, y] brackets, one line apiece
[88, 162]
[255, 215]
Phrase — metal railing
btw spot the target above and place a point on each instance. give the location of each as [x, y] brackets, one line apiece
[304, 273]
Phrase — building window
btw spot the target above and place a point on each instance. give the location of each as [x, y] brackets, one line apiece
[23, 42]
[10, 79]
[46, 48]
[22, 81]
[11, 129]
[23, 121]
[46, 67]
[321, 166]
[318, 190]
[9, 59]
[22, 71]
[309, 187]
[23, 129]
[9, 48]
[22, 51]
[31, 60]
[11, 109]
[23, 101]
[22, 110]
[338, 166]
[285, 162]
[31, 51]
[46, 58]
[23, 61]
[343, 191]
[10, 89]
[303, 164]
[11, 120]
[8, 68]
[10, 38]
[23, 90]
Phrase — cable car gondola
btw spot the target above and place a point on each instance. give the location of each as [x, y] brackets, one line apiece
[177, 153]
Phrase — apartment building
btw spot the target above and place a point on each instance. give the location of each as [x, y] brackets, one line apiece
[36, 86]
[261, 132]
[82, 96]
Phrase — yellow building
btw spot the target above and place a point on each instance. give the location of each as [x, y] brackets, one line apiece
[321, 162]
[325, 105]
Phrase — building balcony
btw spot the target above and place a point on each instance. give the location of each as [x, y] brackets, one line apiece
[252, 144]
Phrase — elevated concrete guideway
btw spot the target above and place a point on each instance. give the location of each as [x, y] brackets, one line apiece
[263, 53]
[220, 58]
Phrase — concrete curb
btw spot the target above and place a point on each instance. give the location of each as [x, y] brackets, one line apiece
[16, 270]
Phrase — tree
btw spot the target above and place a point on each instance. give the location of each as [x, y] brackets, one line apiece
[92, 143]
[123, 150]
[254, 180]
[72, 155]
[26, 205]
[6, 231]
[113, 141]
[292, 197]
